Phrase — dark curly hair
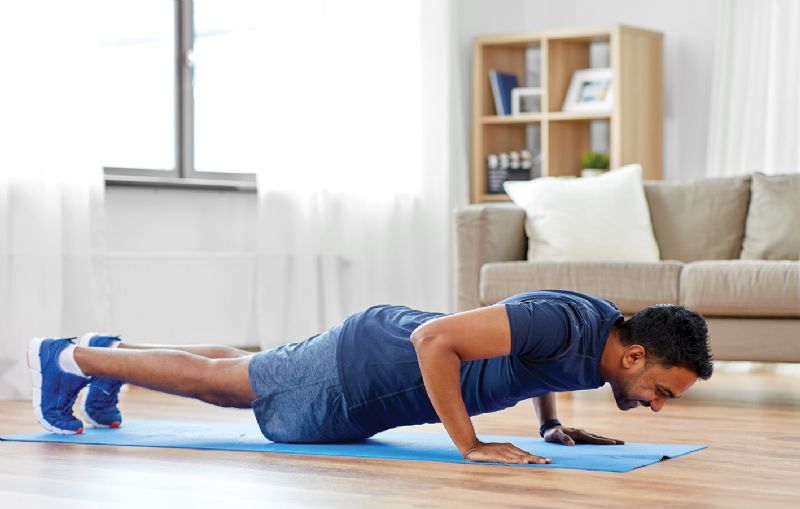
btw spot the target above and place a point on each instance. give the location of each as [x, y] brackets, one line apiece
[673, 335]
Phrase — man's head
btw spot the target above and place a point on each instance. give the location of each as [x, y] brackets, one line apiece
[659, 354]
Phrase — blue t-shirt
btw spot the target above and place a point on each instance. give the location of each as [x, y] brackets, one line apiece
[557, 339]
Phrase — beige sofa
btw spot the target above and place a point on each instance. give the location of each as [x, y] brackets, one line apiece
[718, 240]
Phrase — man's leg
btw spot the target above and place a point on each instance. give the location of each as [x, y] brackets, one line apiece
[210, 351]
[222, 381]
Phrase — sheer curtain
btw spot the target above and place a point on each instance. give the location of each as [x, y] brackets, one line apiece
[755, 106]
[353, 193]
[51, 191]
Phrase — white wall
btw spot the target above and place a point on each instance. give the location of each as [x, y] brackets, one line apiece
[689, 28]
[181, 265]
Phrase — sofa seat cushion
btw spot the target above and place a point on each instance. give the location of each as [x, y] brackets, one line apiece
[763, 288]
[631, 286]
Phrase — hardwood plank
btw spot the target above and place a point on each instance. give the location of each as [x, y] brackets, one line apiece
[751, 423]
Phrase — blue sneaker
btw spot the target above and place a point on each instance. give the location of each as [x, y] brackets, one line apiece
[54, 390]
[99, 405]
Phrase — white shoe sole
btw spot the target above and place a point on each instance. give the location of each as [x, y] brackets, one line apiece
[35, 367]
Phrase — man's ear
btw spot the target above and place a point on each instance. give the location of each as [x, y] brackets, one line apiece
[633, 355]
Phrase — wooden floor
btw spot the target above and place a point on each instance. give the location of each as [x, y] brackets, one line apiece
[751, 424]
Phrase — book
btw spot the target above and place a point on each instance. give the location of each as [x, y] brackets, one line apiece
[502, 84]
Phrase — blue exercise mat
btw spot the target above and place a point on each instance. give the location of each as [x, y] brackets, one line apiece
[396, 445]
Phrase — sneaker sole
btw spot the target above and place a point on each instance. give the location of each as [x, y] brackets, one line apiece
[35, 367]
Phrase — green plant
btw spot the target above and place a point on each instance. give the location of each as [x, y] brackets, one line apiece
[596, 160]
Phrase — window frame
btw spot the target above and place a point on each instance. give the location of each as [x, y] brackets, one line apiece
[184, 173]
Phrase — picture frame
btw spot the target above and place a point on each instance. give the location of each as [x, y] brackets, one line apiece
[590, 90]
[526, 100]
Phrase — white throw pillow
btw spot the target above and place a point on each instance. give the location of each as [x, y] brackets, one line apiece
[603, 218]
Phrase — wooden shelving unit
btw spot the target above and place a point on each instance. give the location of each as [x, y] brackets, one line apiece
[635, 123]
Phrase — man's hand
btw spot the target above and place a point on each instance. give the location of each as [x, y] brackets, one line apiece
[502, 453]
[571, 436]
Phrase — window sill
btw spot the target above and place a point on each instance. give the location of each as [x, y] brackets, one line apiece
[181, 183]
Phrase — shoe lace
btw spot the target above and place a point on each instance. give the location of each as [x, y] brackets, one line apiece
[111, 393]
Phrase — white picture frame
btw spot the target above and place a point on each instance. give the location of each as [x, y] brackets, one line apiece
[590, 90]
[526, 100]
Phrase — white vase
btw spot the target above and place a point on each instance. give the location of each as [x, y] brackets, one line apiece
[592, 172]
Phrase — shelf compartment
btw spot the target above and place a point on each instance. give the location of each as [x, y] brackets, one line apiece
[498, 138]
[565, 56]
[502, 59]
[566, 142]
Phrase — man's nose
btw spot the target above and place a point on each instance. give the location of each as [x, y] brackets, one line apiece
[656, 404]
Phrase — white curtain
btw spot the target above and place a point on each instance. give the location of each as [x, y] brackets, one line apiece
[51, 191]
[755, 95]
[354, 173]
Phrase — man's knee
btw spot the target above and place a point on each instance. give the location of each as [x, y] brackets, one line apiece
[226, 352]
[221, 387]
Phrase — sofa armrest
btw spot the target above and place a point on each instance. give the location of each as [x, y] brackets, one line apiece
[485, 233]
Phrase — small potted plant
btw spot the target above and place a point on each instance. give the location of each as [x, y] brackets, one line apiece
[593, 164]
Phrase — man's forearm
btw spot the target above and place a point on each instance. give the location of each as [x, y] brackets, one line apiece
[546, 407]
[441, 372]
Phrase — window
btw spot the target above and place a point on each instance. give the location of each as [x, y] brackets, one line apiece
[175, 90]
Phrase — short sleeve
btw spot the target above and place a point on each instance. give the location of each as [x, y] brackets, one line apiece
[539, 328]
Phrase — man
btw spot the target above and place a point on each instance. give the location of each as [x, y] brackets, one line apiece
[390, 366]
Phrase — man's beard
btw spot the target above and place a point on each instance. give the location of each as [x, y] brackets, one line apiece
[622, 395]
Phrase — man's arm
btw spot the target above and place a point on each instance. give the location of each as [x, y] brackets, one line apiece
[442, 345]
[545, 407]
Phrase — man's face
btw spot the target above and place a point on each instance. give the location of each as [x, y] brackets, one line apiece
[650, 385]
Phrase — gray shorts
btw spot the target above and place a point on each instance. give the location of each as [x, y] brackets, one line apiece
[300, 396]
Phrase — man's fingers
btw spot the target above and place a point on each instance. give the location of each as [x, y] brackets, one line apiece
[569, 436]
[613, 441]
[494, 457]
[532, 458]
[516, 458]
[538, 459]
[512, 458]
[527, 457]
[595, 439]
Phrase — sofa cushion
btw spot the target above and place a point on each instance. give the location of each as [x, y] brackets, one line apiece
[773, 221]
[602, 218]
[742, 288]
[631, 286]
[700, 219]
